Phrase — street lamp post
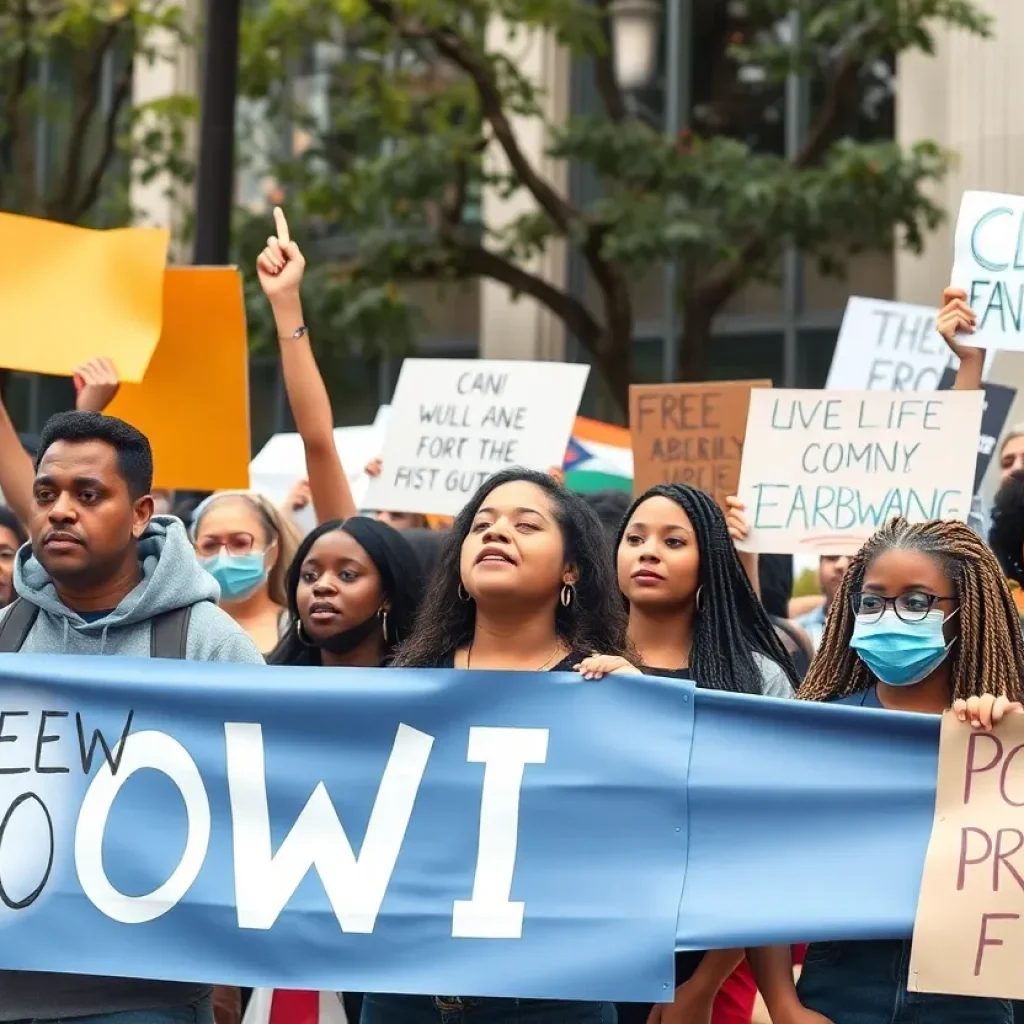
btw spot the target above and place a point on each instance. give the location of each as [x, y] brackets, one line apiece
[635, 26]
[215, 175]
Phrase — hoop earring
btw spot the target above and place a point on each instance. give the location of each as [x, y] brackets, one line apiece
[699, 598]
[301, 635]
[384, 623]
[568, 594]
[463, 596]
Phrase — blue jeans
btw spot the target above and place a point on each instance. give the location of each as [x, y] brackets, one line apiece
[866, 983]
[191, 1013]
[450, 1010]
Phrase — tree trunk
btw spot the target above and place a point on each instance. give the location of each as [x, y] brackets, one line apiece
[695, 343]
[613, 357]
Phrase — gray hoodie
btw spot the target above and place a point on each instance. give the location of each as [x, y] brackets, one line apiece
[172, 578]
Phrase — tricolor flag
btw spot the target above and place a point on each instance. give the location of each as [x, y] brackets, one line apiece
[599, 457]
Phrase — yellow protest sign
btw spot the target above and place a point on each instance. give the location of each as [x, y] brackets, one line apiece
[68, 293]
[969, 929]
[193, 404]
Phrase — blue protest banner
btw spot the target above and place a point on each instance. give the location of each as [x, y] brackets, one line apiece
[406, 831]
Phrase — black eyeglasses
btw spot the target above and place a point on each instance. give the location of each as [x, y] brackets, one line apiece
[910, 607]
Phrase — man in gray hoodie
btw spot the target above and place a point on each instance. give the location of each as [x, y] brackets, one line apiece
[101, 571]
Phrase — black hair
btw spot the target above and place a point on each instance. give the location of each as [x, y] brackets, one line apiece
[731, 625]
[11, 522]
[775, 577]
[609, 506]
[134, 453]
[427, 544]
[1006, 535]
[400, 577]
[594, 622]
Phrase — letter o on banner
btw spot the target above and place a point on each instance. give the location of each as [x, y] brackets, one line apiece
[157, 751]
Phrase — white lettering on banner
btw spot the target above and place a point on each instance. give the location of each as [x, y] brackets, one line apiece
[162, 753]
[505, 753]
[355, 886]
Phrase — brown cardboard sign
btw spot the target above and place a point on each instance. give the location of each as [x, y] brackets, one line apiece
[690, 434]
[969, 930]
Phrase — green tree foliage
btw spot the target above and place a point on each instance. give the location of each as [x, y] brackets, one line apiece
[70, 135]
[417, 114]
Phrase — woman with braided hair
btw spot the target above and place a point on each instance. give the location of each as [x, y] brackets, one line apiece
[923, 621]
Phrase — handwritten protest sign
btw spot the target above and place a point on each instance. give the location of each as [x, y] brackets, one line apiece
[887, 346]
[455, 422]
[988, 264]
[822, 470]
[995, 412]
[690, 434]
[69, 294]
[969, 930]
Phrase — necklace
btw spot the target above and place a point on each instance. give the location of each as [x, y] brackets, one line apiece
[554, 654]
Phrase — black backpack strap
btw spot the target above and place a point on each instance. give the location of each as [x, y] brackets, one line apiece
[15, 627]
[168, 633]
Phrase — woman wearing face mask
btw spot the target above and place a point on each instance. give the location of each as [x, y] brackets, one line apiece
[246, 545]
[353, 589]
[694, 615]
[923, 620]
[523, 584]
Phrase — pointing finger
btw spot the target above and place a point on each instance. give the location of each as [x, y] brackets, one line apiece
[281, 226]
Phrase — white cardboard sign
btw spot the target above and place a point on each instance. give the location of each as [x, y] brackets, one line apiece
[455, 422]
[822, 470]
[988, 264]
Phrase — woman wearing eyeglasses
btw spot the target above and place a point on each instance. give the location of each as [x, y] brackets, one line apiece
[244, 542]
[923, 620]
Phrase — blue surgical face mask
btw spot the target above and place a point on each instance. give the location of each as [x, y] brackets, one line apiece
[239, 576]
[901, 653]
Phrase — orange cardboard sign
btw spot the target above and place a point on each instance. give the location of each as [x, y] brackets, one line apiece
[68, 293]
[193, 404]
[690, 434]
[969, 930]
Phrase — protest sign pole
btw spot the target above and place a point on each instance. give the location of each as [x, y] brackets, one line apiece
[215, 176]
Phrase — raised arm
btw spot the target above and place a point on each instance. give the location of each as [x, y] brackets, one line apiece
[956, 316]
[280, 267]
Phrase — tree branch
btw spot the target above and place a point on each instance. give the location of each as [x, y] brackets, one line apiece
[451, 46]
[93, 184]
[87, 96]
[604, 73]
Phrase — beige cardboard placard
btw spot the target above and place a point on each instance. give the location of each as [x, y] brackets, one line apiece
[823, 470]
[690, 434]
[969, 930]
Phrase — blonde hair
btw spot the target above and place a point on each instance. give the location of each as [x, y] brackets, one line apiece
[277, 527]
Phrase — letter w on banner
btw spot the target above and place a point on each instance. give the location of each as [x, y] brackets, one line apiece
[969, 932]
[487, 834]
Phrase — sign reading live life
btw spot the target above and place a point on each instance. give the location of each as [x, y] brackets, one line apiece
[988, 264]
[969, 930]
[690, 434]
[455, 422]
[822, 470]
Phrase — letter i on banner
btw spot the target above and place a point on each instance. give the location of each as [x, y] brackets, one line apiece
[969, 930]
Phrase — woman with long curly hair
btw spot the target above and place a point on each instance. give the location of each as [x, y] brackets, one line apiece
[523, 583]
[923, 621]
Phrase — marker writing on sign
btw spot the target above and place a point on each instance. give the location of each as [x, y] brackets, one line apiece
[840, 504]
[902, 335]
[993, 772]
[689, 445]
[32, 743]
[997, 247]
[476, 430]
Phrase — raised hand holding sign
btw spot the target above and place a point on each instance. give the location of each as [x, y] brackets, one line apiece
[281, 264]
